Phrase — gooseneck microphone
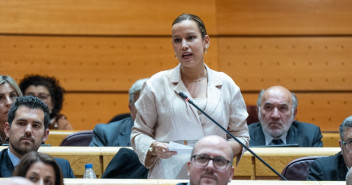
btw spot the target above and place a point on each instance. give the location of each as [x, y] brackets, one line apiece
[238, 141]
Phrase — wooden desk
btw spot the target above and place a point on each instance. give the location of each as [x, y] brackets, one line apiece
[278, 158]
[56, 136]
[78, 157]
[248, 168]
[331, 139]
[174, 182]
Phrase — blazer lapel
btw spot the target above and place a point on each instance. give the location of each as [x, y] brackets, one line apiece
[214, 91]
[292, 136]
[180, 87]
[125, 130]
[258, 138]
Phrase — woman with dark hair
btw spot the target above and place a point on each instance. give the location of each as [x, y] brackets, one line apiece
[47, 89]
[9, 91]
[39, 168]
[163, 116]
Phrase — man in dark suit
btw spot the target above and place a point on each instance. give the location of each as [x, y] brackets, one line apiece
[105, 134]
[125, 164]
[335, 168]
[27, 128]
[277, 109]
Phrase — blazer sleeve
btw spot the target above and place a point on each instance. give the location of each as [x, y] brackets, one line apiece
[99, 138]
[66, 169]
[317, 138]
[315, 172]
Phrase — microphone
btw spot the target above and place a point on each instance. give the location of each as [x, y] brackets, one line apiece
[184, 96]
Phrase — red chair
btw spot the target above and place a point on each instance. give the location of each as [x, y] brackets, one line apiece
[252, 114]
[298, 168]
[81, 138]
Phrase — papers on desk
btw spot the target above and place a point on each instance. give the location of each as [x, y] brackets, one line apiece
[179, 148]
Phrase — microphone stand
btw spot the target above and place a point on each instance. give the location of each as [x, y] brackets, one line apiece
[238, 141]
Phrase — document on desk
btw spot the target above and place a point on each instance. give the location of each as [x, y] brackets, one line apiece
[179, 148]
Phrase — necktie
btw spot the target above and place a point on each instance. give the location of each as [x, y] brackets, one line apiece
[277, 142]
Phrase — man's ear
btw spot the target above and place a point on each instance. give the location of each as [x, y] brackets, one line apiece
[7, 128]
[295, 113]
[46, 135]
[232, 172]
[340, 144]
[189, 167]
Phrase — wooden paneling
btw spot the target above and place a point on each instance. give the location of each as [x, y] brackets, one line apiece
[91, 63]
[298, 63]
[86, 110]
[326, 110]
[98, 49]
[276, 17]
[108, 17]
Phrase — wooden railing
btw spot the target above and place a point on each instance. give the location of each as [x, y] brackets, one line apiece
[248, 168]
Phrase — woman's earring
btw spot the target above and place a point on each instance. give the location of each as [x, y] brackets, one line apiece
[205, 49]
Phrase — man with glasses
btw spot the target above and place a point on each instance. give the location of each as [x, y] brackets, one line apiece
[211, 162]
[334, 168]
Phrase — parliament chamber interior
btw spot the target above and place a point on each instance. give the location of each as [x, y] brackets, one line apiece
[98, 49]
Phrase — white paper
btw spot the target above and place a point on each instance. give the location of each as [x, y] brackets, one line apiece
[179, 148]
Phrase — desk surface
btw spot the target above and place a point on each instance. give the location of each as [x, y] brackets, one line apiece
[173, 182]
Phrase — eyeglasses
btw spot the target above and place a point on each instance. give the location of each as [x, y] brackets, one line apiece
[347, 145]
[202, 160]
[41, 96]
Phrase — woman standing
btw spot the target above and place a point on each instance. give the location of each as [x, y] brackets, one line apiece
[163, 116]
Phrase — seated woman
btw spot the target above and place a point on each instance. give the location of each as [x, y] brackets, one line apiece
[39, 168]
[9, 91]
[47, 89]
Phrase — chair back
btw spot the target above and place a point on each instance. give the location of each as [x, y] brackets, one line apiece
[252, 114]
[81, 138]
[298, 168]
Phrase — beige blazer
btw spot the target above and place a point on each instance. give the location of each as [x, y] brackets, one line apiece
[162, 115]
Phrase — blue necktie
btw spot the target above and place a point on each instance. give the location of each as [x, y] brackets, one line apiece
[277, 142]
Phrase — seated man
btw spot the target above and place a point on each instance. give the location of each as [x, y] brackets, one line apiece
[27, 128]
[277, 109]
[118, 133]
[219, 171]
[125, 164]
[334, 168]
[349, 177]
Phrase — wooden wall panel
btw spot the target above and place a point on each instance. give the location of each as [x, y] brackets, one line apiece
[108, 17]
[298, 63]
[85, 110]
[326, 110]
[91, 63]
[276, 17]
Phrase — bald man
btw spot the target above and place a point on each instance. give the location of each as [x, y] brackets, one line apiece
[211, 162]
[277, 109]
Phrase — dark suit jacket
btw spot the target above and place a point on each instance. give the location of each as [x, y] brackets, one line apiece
[303, 134]
[6, 167]
[332, 168]
[125, 165]
[113, 134]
